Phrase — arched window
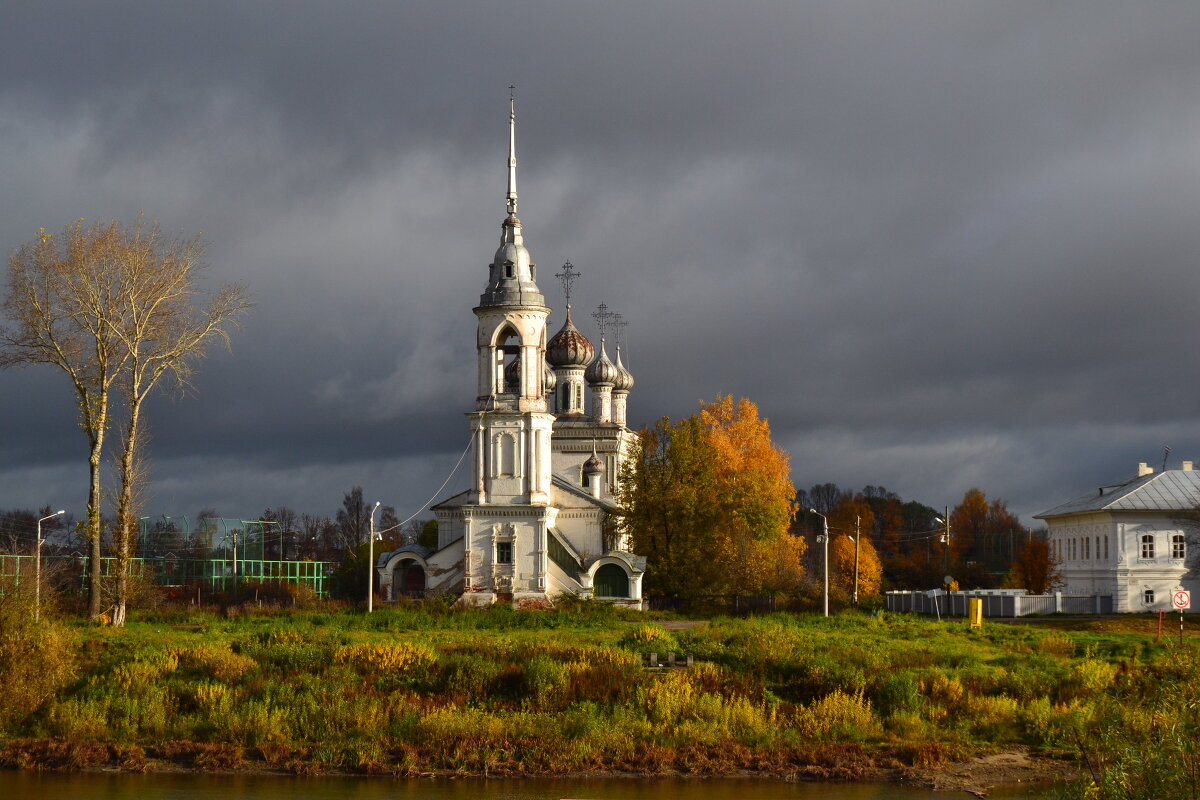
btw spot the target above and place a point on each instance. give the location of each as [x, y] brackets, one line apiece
[1178, 547]
[611, 581]
[564, 403]
[1148, 545]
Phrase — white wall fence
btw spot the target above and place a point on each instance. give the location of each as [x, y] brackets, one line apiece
[997, 603]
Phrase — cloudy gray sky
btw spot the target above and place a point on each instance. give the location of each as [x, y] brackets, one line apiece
[941, 244]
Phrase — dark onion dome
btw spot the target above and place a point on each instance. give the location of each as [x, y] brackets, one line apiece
[593, 465]
[569, 347]
[601, 372]
[624, 381]
[512, 376]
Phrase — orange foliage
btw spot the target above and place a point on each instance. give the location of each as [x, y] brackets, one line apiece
[852, 518]
[709, 502]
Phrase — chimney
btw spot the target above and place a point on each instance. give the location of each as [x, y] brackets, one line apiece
[1144, 469]
[1187, 466]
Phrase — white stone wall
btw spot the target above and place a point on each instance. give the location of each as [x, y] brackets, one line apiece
[1101, 553]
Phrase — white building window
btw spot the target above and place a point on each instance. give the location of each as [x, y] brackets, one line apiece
[1087, 548]
[504, 553]
[1148, 547]
[1106, 547]
[1148, 597]
[1178, 547]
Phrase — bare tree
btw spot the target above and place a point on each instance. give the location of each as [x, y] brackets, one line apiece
[164, 334]
[353, 520]
[61, 299]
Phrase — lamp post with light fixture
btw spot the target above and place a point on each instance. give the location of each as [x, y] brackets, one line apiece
[371, 561]
[37, 590]
[824, 540]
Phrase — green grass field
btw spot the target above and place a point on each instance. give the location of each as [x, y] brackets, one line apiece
[427, 689]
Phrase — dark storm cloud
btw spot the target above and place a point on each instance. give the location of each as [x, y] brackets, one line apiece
[940, 244]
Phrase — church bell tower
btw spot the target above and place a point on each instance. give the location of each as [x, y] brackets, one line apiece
[512, 423]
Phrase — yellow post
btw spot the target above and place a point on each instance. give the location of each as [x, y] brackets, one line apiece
[975, 611]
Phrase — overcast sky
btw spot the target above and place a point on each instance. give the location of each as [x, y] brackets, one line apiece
[941, 244]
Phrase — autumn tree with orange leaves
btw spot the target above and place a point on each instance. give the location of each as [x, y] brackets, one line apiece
[853, 519]
[709, 502]
[1034, 567]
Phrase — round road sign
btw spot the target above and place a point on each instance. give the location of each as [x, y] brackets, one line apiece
[1181, 599]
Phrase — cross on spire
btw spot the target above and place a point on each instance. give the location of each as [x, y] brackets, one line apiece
[567, 276]
[618, 323]
[603, 318]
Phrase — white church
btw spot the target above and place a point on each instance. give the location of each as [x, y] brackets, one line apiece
[549, 440]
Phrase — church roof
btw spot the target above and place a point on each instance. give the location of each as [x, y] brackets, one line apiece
[578, 493]
[1170, 490]
[578, 497]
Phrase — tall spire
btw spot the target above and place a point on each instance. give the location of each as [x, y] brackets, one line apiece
[512, 152]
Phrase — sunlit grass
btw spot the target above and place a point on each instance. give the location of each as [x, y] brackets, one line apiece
[423, 688]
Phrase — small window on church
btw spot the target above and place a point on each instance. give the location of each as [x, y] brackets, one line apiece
[1148, 545]
[1178, 547]
[1148, 597]
[508, 269]
[503, 552]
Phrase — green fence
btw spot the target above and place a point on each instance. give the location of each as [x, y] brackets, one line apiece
[214, 574]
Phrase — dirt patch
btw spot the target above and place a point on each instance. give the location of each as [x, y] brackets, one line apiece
[682, 624]
[977, 775]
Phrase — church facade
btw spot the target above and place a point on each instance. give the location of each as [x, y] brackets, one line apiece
[549, 438]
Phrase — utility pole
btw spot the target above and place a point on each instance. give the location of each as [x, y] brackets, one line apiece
[947, 538]
[857, 535]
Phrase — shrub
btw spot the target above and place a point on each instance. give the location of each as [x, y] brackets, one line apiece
[36, 658]
[649, 638]
[374, 659]
[217, 661]
[897, 694]
[837, 714]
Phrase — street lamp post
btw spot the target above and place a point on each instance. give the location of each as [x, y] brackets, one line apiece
[37, 582]
[824, 540]
[371, 561]
[857, 535]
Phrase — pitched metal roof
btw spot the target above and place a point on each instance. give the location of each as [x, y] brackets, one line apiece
[1172, 490]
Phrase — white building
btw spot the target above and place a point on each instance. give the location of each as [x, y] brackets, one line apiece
[1136, 541]
[534, 522]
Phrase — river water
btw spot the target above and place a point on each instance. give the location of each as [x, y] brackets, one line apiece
[104, 786]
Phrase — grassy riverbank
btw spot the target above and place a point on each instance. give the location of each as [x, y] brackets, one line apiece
[426, 689]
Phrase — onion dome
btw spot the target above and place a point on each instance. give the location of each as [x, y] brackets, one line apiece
[512, 376]
[624, 380]
[593, 466]
[601, 372]
[569, 347]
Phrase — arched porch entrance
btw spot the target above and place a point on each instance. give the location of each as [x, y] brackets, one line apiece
[610, 581]
[408, 578]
